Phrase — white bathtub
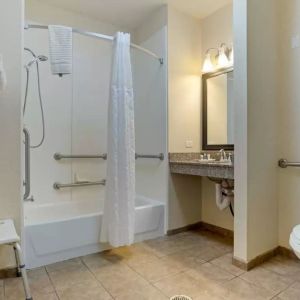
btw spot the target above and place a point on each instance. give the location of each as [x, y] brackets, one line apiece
[56, 232]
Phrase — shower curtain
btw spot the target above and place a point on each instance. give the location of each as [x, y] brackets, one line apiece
[118, 216]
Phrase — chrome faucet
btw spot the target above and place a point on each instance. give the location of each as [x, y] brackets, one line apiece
[223, 155]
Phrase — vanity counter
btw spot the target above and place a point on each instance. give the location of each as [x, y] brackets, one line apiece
[190, 166]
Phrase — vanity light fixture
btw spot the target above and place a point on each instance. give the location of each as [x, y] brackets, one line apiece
[208, 66]
[223, 59]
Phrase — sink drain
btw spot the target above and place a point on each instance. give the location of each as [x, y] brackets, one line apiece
[180, 297]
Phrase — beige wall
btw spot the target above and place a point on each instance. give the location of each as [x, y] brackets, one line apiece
[11, 36]
[216, 29]
[184, 55]
[184, 64]
[289, 142]
[256, 137]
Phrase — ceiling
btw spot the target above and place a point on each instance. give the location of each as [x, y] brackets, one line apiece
[131, 13]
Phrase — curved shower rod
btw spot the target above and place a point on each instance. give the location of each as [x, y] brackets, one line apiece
[100, 36]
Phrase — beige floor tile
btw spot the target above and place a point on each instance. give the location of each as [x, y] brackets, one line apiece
[155, 269]
[67, 264]
[118, 279]
[89, 290]
[39, 281]
[210, 272]
[1, 282]
[1, 293]
[291, 293]
[14, 290]
[95, 261]
[63, 278]
[269, 280]
[147, 292]
[184, 260]
[136, 254]
[283, 266]
[184, 284]
[225, 262]
[209, 253]
[239, 289]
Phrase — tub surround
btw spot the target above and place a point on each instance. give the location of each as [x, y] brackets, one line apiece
[187, 164]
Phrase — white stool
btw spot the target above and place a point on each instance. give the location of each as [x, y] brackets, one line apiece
[8, 236]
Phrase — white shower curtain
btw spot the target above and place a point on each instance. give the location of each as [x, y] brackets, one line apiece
[118, 216]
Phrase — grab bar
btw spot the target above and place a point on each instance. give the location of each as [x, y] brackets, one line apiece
[26, 182]
[283, 163]
[159, 156]
[58, 185]
[59, 156]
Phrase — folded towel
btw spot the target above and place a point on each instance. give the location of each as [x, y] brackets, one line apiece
[60, 49]
[3, 80]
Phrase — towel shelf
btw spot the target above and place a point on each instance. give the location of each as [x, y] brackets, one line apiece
[58, 186]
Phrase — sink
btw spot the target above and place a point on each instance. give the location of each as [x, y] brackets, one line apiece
[221, 162]
[205, 161]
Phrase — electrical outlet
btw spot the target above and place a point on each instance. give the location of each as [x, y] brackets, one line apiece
[188, 144]
[295, 41]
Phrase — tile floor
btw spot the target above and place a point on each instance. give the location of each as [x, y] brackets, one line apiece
[197, 264]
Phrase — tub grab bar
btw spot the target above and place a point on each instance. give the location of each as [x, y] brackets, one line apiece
[59, 156]
[283, 163]
[26, 182]
[58, 185]
[159, 156]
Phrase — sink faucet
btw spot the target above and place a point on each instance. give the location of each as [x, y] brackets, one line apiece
[223, 154]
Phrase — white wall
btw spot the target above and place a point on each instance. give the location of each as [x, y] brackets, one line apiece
[184, 54]
[76, 109]
[75, 106]
[11, 36]
[216, 29]
[289, 142]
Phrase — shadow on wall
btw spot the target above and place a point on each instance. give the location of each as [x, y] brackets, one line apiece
[184, 200]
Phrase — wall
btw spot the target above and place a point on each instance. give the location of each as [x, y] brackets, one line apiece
[289, 143]
[79, 125]
[11, 36]
[75, 106]
[184, 107]
[257, 136]
[216, 29]
[184, 54]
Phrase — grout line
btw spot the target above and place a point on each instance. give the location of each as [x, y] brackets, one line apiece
[96, 278]
[55, 291]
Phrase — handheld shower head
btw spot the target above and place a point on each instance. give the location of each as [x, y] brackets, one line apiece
[39, 58]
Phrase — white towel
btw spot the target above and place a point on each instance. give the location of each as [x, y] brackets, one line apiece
[3, 80]
[60, 49]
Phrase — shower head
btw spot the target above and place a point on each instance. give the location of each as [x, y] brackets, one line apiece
[39, 58]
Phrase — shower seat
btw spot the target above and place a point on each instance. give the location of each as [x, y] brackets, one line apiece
[8, 236]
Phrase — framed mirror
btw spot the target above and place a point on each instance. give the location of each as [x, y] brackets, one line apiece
[218, 114]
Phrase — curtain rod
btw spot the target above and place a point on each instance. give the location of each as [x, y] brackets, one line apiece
[100, 36]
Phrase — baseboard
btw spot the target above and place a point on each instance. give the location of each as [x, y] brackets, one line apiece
[189, 227]
[8, 273]
[217, 230]
[263, 258]
[203, 226]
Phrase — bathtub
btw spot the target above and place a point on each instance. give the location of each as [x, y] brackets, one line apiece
[56, 232]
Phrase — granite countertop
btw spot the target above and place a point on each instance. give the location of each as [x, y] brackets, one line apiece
[187, 164]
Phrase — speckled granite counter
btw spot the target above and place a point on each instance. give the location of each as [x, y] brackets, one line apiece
[184, 163]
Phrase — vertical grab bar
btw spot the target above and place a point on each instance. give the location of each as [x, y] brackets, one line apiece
[27, 164]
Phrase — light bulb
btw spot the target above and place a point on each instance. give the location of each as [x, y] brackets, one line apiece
[208, 65]
[223, 60]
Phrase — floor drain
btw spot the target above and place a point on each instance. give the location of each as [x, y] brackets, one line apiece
[180, 297]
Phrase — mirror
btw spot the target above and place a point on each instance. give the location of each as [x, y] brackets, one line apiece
[218, 117]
